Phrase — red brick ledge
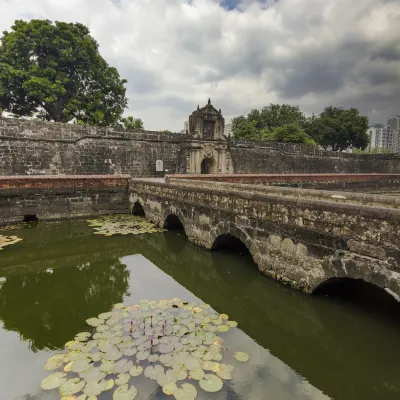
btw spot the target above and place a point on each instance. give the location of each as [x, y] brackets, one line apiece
[243, 178]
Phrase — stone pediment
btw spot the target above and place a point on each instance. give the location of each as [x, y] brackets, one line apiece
[207, 123]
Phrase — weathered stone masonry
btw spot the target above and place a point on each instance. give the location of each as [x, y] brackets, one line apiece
[300, 241]
[59, 197]
[30, 147]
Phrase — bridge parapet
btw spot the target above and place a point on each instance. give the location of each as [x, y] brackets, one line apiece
[296, 236]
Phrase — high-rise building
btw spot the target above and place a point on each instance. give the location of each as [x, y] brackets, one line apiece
[393, 133]
[377, 137]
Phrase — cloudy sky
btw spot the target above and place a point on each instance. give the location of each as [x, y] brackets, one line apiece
[243, 54]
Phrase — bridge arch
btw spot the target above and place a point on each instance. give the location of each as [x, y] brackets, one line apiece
[222, 234]
[138, 209]
[174, 219]
[346, 273]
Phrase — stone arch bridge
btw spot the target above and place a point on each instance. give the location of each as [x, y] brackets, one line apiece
[301, 237]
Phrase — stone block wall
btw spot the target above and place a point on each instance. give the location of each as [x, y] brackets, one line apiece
[50, 198]
[30, 147]
[44, 148]
[256, 157]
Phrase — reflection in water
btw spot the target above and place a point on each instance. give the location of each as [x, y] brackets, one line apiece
[49, 307]
[347, 352]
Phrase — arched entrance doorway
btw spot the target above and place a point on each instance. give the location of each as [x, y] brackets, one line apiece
[208, 166]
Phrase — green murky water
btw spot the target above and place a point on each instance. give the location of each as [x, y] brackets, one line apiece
[301, 347]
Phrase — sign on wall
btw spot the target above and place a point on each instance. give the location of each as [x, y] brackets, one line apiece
[159, 165]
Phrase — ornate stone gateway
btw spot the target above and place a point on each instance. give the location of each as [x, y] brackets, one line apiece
[208, 147]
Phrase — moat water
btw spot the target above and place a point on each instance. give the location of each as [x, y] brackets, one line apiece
[300, 346]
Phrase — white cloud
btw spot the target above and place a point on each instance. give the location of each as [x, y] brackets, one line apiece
[175, 53]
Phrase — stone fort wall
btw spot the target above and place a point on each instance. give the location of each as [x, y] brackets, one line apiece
[30, 147]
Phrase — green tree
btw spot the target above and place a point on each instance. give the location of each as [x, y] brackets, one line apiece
[242, 128]
[277, 115]
[132, 123]
[292, 133]
[259, 124]
[56, 71]
[338, 128]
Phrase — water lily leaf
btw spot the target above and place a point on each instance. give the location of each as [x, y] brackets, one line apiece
[130, 352]
[181, 357]
[209, 366]
[136, 370]
[55, 362]
[186, 392]
[82, 335]
[71, 386]
[232, 324]
[123, 366]
[223, 316]
[240, 356]
[94, 388]
[94, 374]
[211, 383]
[94, 321]
[110, 384]
[170, 388]
[142, 355]
[107, 366]
[113, 355]
[75, 356]
[224, 371]
[153, 358]
[97, 356]
[166, 358]
[53, 381]
[197, 374]
[125, 393]
[223, 328]
[82, 365]
[192, 363]
[122, 379]
[153, 372]
[68, 367]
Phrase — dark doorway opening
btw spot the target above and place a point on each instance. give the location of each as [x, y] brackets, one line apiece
[138, 210]
[207, 166]
[173, 222]
[31, 218]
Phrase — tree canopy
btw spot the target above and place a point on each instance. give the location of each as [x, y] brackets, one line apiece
[338, 129]
[335, 128]
[56, 72]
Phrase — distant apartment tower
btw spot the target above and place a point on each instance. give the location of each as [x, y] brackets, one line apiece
[393, 133]
[377, 137]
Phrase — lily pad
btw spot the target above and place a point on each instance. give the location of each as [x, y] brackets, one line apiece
[53, 381]
[107, 366]
[123, 366]
[122, 379]
[142, 355]
[186, 392]
[94, 388]
[82, 365]
[240, 356]
[170, 388]
[125, 392]
[94, 374]
[136, 370]
[197, 374]
[211, 383]
[94, 321]
[55, 362]
[113, 355]
[71, 386]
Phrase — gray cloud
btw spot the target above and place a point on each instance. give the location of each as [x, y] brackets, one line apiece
[177, 53]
